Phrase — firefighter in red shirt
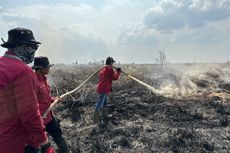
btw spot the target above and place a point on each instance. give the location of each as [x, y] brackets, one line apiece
[106, 76]
[42, 67]
[20, 119]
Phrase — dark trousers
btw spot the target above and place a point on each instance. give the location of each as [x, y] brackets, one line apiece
[54, 130]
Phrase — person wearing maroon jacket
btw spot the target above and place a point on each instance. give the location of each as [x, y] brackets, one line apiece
[20, 119]
[42, 67]
[106, 76]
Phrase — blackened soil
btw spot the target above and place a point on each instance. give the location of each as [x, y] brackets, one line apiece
[140, 121]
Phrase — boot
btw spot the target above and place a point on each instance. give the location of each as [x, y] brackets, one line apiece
[96, 117]
[63, 148]
[105, 115]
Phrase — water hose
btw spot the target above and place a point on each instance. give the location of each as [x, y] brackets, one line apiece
[76, 89]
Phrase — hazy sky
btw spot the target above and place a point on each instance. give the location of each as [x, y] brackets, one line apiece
[128, 30]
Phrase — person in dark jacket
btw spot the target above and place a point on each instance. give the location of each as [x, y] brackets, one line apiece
[42, 67]
[20, 119]
[106, 76]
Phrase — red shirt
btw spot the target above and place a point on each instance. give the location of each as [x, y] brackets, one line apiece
[106, 77]
[20, 119]
[44, 96]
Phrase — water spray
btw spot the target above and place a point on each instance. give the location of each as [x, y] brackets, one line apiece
[142, 83]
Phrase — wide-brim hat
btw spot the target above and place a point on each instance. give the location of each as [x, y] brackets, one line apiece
[19, 36]
[41, 62]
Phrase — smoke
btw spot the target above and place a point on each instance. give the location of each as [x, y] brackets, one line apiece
[188, 80]
[181, 88]
[172, 82]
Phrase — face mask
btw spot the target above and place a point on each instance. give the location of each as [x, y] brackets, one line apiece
[25, 52]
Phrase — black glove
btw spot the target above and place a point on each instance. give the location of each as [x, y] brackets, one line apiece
[30, 149]
[118, 69]
[47, 148]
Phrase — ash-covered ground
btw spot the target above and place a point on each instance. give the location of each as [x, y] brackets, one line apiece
[189, 115]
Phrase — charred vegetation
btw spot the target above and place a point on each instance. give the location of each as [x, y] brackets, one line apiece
[139, 120]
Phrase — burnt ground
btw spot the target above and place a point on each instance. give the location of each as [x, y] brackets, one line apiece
[143, 122]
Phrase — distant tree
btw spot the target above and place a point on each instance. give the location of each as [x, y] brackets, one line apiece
[161, 60]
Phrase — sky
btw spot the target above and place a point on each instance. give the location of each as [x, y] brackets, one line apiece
[131, 31]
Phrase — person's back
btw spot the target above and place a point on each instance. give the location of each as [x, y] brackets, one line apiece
[13, 78]
[106, 77]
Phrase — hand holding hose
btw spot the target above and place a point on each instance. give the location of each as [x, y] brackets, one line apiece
[118, 69]
[47, 148]
[60, 99]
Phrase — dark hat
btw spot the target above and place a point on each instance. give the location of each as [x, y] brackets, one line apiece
[41, 62]
[19, 36]
[109, 61]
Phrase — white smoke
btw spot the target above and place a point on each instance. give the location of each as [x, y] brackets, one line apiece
[183, 81]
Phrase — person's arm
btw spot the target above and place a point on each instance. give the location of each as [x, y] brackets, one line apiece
[28, 107]
[53, 98]
[115, 75]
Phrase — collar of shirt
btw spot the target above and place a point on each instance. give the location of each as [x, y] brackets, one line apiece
[9, 54]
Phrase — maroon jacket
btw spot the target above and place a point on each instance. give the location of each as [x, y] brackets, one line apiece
[106, 77]
[44, 96]
[20, 119]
